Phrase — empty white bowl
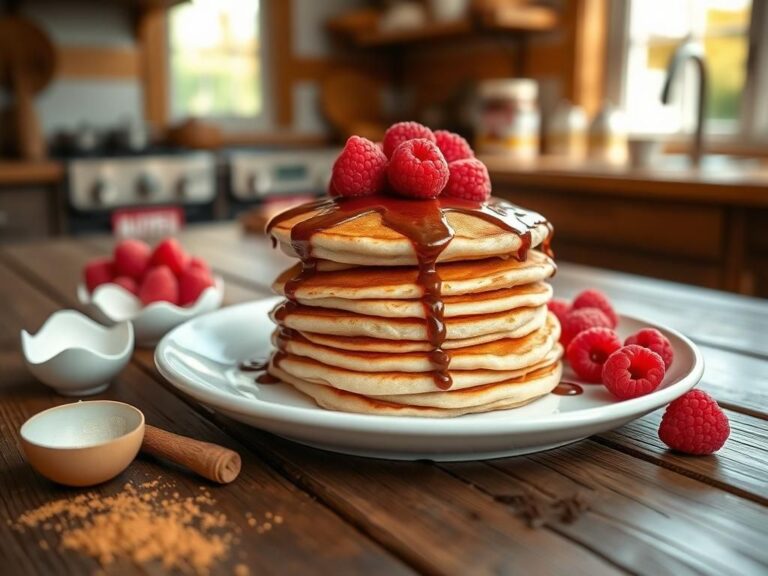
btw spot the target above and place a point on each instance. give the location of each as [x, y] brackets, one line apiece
[75, 355]
[111, 303]
[84, 443]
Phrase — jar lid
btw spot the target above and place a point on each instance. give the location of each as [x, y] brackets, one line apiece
[518, 88]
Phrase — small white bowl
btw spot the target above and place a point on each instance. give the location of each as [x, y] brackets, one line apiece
[111, 303]
[76, 356]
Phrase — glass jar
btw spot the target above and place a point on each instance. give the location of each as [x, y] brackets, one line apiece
[508, 119]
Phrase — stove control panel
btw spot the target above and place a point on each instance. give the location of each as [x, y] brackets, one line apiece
[106, 183]
[257, 175]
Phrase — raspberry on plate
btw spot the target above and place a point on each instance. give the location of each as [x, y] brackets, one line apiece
[694, 424]
[159, 284]
[132, 258]
[633, 371]
[469, 180]
[192, 282]
[98, 272]
[589, 350]
[596, 299]
[559, 308]
[360, 169]
[169, 253]
[402, 132]
[656, 341]
[582, 319]
[127, 282]
[453, 146]
[417, 169]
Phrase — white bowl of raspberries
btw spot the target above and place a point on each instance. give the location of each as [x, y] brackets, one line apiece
[155, 289]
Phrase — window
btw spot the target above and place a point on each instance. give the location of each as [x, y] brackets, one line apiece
[215, 59]
[653, 30]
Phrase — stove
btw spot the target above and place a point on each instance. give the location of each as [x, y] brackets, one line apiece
[257, 177]
[99, 189]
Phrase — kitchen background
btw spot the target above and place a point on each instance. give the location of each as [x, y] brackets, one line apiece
[639, 127]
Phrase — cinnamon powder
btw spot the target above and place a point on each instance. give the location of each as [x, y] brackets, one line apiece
[147, 524]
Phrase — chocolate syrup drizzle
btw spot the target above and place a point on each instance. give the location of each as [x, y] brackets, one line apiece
[424, 223]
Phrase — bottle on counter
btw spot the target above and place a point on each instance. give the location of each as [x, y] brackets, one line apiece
[608, 136]
[508, 118]
[567, 132]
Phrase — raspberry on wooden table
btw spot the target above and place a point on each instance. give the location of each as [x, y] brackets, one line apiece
[360, 169]
[595, 299]
[582, 319]
[159, 284]
[417, 169]
[169, 253]
[654, 340]
[98, 272]
[402, 132]
[132, 258]
[469, 180]
[589, 350]
[633, 371]
[694, 424]
[453, 146]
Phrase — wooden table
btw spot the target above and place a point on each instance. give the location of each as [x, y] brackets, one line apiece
[649, 511]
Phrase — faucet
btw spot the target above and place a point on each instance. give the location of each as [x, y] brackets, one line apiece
[692, 50]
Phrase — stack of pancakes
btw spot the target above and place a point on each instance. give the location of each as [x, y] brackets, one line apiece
[354, 333]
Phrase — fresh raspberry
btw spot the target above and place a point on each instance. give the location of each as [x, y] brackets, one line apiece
[128, 283]
[98, 272]
[468, 180]
[360, 169]
[453, 146]
[559, 308]
[402, 132]
[169, 253]
[694, 424]
[200, 264]
[417, 169]
[192, 282]
[589, 350]
[582, 319]
[159, 284]
[596, 299]
[132, 258]
[654, 340]
[633, 371]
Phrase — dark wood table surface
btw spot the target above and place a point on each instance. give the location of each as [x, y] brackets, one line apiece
[648, 511]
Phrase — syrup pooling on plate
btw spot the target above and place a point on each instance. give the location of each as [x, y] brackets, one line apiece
[424, 224]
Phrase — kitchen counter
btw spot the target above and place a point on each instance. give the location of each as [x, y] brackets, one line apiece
[14, 173]
[645, 509]
[721, 179]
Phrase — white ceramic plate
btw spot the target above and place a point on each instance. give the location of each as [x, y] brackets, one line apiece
[201, 358]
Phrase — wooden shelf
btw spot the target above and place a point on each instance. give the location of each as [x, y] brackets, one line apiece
[24, 173]
[520, 19]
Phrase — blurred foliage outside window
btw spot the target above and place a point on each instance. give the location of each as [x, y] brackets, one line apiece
[215, 59]
[656, 28]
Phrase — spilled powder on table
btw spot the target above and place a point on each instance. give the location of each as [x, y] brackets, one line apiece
[151, 523]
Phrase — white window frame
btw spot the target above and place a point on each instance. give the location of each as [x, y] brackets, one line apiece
[262, 122]
[753, 121]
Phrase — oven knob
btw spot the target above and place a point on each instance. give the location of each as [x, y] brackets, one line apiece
[183, 186]
[102, 192]
[147, 186]
[252, 184]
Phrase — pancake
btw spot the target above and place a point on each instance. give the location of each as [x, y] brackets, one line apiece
[504, 395]
[366, 241]
[384, 383]
[341, 323]
[505, 354]
[527, 295]
[402, 282]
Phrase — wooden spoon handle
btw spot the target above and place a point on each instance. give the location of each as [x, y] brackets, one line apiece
[210, 461]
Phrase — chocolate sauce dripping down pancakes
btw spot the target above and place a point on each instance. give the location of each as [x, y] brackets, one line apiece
[424, 224]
